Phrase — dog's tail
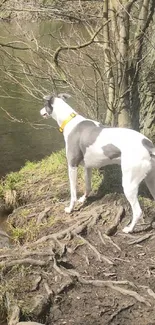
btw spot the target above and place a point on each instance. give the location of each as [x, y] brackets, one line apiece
[149, 146]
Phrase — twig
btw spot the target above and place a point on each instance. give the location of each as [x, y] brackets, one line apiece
[77, 47]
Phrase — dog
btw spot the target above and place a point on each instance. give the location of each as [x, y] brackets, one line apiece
[94, 145]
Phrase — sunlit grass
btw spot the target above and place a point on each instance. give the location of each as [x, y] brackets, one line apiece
[53, 167]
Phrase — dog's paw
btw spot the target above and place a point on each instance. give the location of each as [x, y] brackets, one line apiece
[68, 210]
[82, 199]
[127, 229]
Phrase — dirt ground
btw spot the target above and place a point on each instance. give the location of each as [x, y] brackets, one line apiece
[80, 268]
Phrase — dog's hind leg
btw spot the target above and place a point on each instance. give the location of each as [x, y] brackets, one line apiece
[72, 171]
[87, 174]
[150, 180]
[132, 177]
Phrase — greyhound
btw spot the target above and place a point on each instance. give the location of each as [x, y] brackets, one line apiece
[95, 145]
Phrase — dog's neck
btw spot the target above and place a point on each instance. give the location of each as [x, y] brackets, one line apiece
[61, 111]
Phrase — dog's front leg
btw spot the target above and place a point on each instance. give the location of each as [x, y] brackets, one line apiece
[72, 171]
[87, 174]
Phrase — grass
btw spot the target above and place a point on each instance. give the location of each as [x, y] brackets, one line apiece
[52, 168]
[35, 171]
[32, 185]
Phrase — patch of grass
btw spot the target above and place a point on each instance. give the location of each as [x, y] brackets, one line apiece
[35, 171]
[51, 221]
[11, 181]
[18, 234]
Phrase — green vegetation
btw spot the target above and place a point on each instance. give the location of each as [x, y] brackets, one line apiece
[54, 167]
[36, 186]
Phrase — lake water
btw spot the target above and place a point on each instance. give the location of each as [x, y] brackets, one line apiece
[25, 139]
[28, 74]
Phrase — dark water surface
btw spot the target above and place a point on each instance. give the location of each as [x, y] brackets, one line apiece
[24, 139]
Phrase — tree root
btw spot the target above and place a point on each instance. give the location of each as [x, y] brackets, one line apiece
[13, 314]
[151, 292]
[100, 256]
[58, 269]
[74, 229]
[109, 239]
[111, 284]
[140, 239]
[113, 228]
[65, 287]
[118, 312]
[43, 215]
[6, 265]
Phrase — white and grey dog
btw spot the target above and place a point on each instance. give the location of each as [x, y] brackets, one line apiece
[94, 145]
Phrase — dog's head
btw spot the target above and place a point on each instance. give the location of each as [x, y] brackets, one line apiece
[47, 110]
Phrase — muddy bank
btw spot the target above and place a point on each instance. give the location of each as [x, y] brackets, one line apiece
[78, 268]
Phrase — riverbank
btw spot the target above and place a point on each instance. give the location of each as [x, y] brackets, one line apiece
[78, 268]
[32, 10]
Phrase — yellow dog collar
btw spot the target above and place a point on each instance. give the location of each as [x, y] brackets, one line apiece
[71, 116]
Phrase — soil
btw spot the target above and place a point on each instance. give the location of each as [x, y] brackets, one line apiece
[80, 268]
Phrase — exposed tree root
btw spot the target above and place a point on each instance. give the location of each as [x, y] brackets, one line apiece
[13, 314]
[151, 292]
[113, 227]
[25, 261]
[111, 284]
[65, 287]
[100, 256]
[43, 215]
[140, 239]
[115, 314]
[109, 240]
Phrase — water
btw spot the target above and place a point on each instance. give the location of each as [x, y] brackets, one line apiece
[31, 137]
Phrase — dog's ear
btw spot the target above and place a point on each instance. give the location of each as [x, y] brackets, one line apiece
[64, 96]
[49, 99]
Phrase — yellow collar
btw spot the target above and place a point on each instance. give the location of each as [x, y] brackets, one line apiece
[71, 116]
